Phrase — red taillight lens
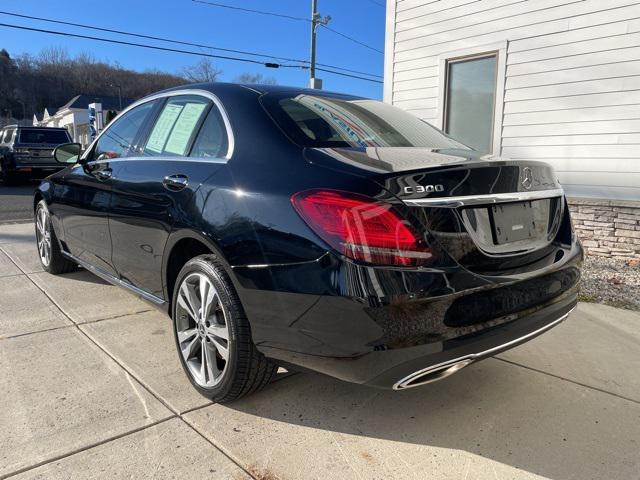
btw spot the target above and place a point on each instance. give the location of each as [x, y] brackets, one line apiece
[361, 227]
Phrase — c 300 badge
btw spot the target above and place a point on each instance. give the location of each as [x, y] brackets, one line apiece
[424, 189]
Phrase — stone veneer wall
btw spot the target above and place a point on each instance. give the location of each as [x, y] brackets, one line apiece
[607, 228]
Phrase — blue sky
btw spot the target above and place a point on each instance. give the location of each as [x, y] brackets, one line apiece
[194, 22]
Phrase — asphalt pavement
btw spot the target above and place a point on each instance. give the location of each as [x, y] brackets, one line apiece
[16, 202]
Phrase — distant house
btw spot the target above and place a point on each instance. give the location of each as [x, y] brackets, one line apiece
[74, 115]
[550, 80]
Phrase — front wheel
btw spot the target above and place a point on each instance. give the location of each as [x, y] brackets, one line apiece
[213, 336]
[49, 251]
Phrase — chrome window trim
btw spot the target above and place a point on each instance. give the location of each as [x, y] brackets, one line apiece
[174, 93]
[158, 159]
[466, 200]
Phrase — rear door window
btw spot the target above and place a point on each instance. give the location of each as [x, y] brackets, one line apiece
[212, 140]
[176, 126]
[42, 136]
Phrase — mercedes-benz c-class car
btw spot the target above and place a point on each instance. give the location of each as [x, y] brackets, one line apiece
[313, 230]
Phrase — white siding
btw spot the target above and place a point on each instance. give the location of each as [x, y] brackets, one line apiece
[571, 85]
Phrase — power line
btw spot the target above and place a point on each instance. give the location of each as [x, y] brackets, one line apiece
[348, 75]
[180, 42]
[249, 10]
[352, 39]
[141, 35]
[122, 42]
[174, 50]
[261, 12]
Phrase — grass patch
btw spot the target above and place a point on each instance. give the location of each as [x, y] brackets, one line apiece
[585, 297]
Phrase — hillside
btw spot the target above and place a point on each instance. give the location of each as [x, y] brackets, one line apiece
[28, 83]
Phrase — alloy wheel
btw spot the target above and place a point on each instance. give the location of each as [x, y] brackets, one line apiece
[43, 236]
[202, 329]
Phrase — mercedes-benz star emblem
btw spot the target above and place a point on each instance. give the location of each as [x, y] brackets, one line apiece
[527, 178]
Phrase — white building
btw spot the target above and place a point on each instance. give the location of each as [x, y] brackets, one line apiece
[550, 80]
[74, 115]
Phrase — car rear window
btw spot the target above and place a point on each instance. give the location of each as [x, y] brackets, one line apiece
[32, 135]
[327, 121]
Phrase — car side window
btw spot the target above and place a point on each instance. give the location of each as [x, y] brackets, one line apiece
[118, 140]
[212, 140]
[176, 126]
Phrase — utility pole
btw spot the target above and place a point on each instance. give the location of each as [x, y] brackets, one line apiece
[119, 87]
[316, 20]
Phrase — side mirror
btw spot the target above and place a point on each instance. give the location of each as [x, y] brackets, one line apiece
[67, 153]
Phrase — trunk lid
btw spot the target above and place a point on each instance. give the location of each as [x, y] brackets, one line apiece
[489, 214]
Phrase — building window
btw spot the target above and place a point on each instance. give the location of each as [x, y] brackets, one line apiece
[470, 100]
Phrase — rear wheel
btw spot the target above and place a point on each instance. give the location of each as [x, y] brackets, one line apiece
[213, 336]
[49, 251]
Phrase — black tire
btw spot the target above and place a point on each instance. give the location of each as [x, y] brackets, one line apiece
[246, 370]
[57, 263]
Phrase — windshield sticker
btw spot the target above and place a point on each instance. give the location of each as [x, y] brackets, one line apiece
[163, 126]
[186, 123]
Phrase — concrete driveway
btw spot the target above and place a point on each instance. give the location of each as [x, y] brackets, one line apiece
[91, 387]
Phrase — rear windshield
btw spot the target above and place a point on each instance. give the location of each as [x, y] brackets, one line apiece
[324, 121]
[34, 135]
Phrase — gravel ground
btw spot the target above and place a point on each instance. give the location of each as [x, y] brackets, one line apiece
[610, 281]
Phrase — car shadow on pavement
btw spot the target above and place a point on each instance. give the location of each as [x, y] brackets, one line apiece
[493, 409]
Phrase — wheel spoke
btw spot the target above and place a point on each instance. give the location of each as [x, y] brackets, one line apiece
[220, 347]
[188, 349]
[210, 303]
[203, 286]
[185, 301]
[209, 363]
[219, 331]
[185, 335]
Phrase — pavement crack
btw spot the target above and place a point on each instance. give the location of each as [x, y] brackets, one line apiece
[591, 387]
[85, 448]
[130, 375]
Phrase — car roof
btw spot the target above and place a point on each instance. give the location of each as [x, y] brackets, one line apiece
[32, 127]
[230, 88]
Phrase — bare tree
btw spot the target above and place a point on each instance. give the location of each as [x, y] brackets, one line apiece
[255, 78]
[202, 72]
[51, 78]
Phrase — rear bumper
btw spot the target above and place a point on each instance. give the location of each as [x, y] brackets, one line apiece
[379, 327]
[26, 166]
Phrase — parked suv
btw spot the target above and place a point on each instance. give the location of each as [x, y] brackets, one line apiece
[27, 152]
[283, 226]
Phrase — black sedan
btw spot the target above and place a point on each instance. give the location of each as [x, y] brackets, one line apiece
[313, 230]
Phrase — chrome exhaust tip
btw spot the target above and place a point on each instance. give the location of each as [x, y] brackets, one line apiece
[445, 369]
[431, 374]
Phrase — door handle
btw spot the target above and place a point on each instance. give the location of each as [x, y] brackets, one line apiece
[104, 174]
[175, 183]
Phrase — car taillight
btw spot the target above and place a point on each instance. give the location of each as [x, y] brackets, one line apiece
[361, 228]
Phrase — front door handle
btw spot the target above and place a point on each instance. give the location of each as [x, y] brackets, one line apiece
[175, 183]
[104, 174]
